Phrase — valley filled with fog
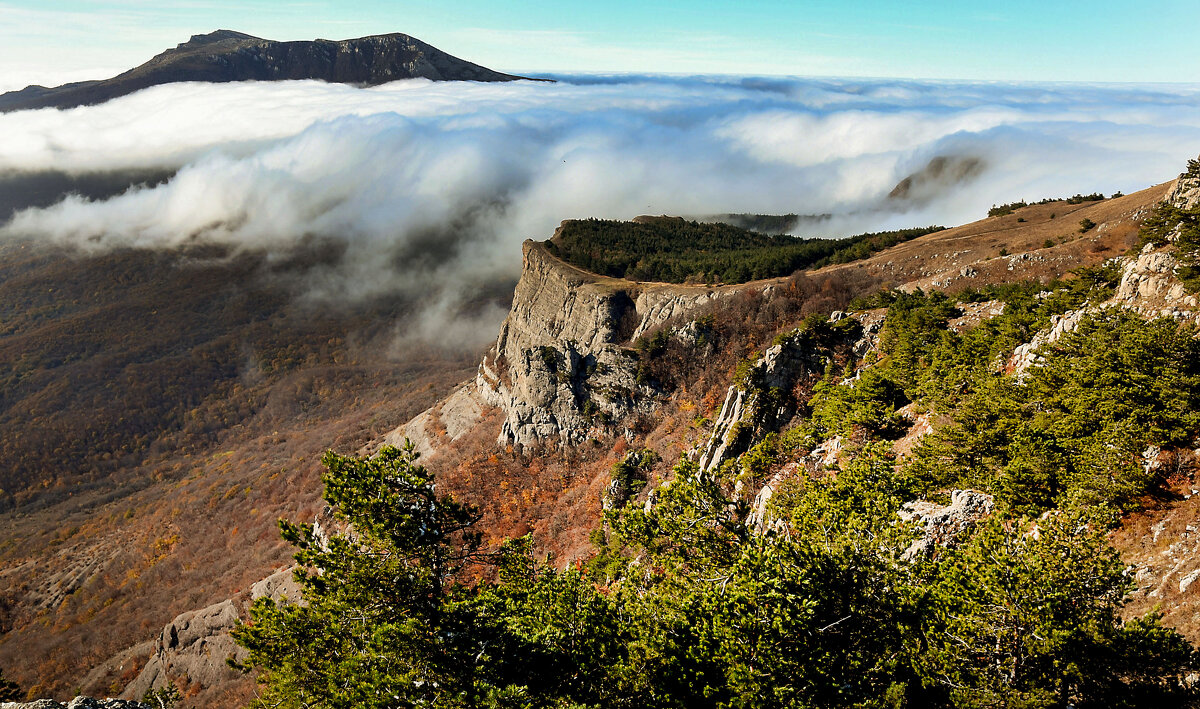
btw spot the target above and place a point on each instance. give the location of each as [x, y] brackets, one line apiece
[425, 190]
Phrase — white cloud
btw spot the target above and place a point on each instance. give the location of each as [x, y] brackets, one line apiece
[431, 187]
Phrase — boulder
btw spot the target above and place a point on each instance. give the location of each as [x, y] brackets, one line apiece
[194, 645]
[943, 525]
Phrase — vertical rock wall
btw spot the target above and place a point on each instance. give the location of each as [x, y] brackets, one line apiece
[563, 366]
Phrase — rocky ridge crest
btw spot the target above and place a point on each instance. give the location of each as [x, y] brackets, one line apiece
[226, 56]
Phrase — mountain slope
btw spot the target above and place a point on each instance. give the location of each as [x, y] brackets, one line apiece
[102, 552]
[225, 56]
[1037, 408]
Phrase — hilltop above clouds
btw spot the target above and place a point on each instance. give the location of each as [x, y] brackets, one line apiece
[225, 56]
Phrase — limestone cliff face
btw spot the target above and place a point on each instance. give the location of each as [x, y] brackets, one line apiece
[562, 367]
[759, 402]
[1186, 192]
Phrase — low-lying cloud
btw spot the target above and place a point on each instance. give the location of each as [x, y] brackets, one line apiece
[429, 188]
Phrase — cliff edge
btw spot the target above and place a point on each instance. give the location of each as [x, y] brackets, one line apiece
[564, 366]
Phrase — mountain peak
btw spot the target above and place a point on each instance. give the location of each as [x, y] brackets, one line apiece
[227, 56]
[199, 40]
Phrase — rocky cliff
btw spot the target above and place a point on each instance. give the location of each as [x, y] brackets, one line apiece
[761, 399]
[563, 367]
[225, 56]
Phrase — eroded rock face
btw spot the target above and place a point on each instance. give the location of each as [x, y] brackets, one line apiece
[750, 405]
[761, 520]
[279, 586]
[562, 367]
[1151, 277]
[941, 526]
[1186, 192]
[194, 645]
[197, 643]
[1026, 356]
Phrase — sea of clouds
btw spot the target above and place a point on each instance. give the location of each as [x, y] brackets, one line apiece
[431, 187]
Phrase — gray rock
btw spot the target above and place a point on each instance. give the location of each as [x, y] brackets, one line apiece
[760, 520]
[561, 367]
[279, 586]
[1026, 355]
[443, 423]
[941, 526]
[1186, 192]
[196, 645]
[747, 410]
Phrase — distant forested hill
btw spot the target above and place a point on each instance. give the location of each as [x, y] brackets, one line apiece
[675, 250]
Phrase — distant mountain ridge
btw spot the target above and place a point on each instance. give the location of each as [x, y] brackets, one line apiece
[226, 56]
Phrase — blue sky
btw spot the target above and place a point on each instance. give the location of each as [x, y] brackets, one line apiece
[1097, 40]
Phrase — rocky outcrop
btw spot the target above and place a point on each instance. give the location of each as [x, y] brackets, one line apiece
[194, 645]
[941, 526]
[443, 423]
[197, 643]
[1150, 287]
[1026, 355]
[279, 586]
[76, 703]
[1186, 192]
[760, 400]
[562, 368]
[975, 313]
[627, 478]
[225, 56]
[761, 520]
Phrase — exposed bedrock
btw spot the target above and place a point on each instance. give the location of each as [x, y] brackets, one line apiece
[563, 368]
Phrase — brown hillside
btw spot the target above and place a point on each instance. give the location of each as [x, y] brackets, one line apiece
[555, 493]
[943, 260]
[158, 413]
[116, 523]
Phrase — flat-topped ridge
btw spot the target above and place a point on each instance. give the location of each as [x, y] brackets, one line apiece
[227, 56]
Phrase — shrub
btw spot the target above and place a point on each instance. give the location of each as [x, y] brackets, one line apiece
[1006, 209]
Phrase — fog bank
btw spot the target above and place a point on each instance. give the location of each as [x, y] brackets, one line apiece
[431, 187]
